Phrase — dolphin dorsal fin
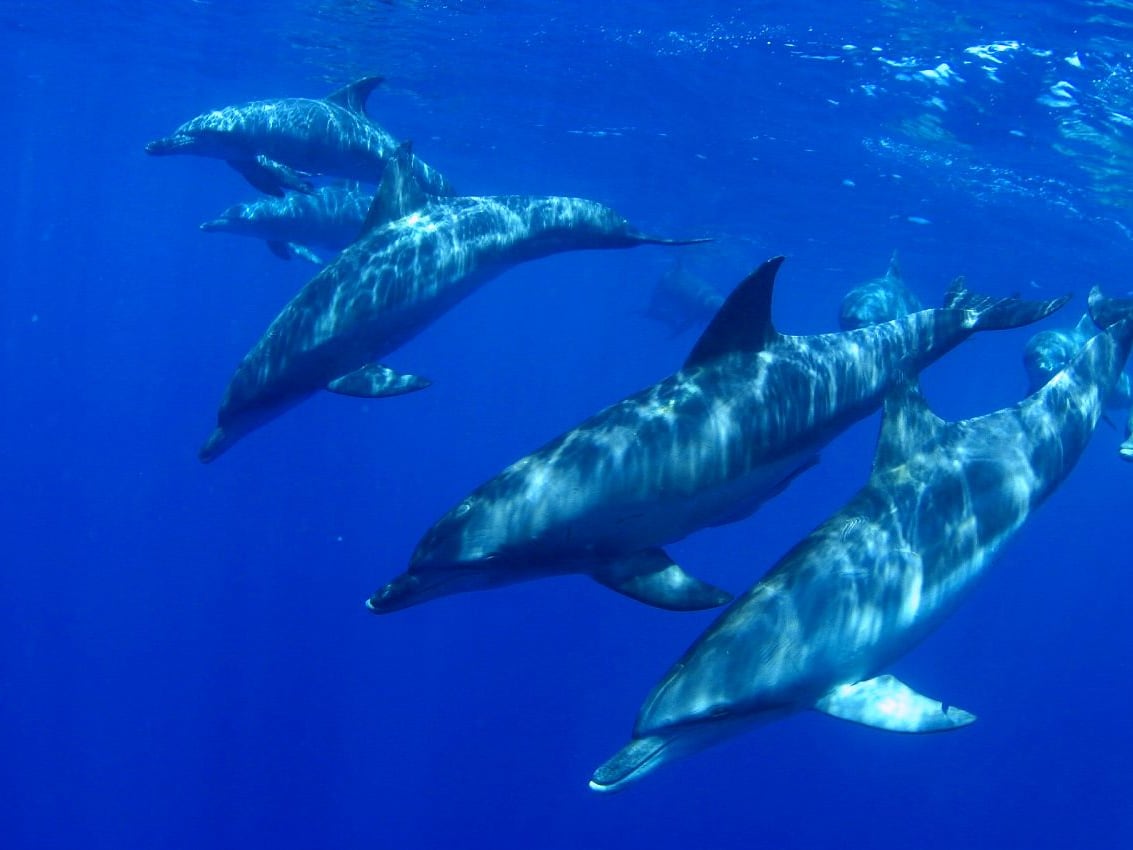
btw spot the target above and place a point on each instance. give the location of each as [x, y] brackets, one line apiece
[1086, 326]
[353, 96]
[399, 193]
[907, 425]
[743, 323]
[894, 272]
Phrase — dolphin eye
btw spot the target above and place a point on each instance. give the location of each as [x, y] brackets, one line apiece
[463, 508]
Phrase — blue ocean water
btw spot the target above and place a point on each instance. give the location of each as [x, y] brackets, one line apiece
[185, 657]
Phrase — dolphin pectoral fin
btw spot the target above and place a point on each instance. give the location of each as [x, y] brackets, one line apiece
[886, 702]
[271, 177]
[376, 381]
[304, 253]
[650, 576]
[280, 249]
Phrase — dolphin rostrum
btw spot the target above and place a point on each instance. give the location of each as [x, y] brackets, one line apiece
[418, 255]
[878, 300]
[329, 217]
[748, 411]
[268, 140]
[869, 583]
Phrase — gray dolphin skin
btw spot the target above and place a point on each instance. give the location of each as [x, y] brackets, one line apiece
[681, 300]
[1049, 351]
[879, 300]
[329, 217]
[748, 411]
[874, 579]
[418, 256]
[267, 140]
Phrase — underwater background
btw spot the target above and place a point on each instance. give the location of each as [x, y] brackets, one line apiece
[186, 661]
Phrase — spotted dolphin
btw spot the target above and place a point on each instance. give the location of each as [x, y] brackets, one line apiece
[748, 411]
[331, 136]
[1049, 351]
[418, 255]
[878, 300]
[873, 580]
[681, 300]
[329, 217]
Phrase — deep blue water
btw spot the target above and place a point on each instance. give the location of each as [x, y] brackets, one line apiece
[185, 658]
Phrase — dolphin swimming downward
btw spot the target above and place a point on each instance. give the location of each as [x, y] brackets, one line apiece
[268, 140]
[1049, 351]
[748, 411]
[681, 299]
[869, 583]
[418, 255]
[878, 300]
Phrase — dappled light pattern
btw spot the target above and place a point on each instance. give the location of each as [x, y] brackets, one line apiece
[331, 136]
[881, 299]
[396, 279]
[875, 578]
[1049, 351]
[329, 217]
[703, 447]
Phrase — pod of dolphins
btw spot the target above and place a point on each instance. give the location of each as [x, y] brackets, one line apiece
[749, 410]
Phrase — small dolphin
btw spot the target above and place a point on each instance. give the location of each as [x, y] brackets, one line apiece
[749, 410]
[1049, 351]
[879, 300]
[418, 255]
[268, 140]
[868, 584]
[330, 217]
[681, 300]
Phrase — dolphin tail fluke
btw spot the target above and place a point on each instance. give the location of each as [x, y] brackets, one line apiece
[888, 703]
[651, 577]
[1108, 311]
[993, 313]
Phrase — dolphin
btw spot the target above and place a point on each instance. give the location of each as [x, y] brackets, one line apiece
[749, 410]
[873, 580]
[330, 217]
[1049, 351]
[681, 299]
[268, 140]
[418, 255]
[878, 300]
